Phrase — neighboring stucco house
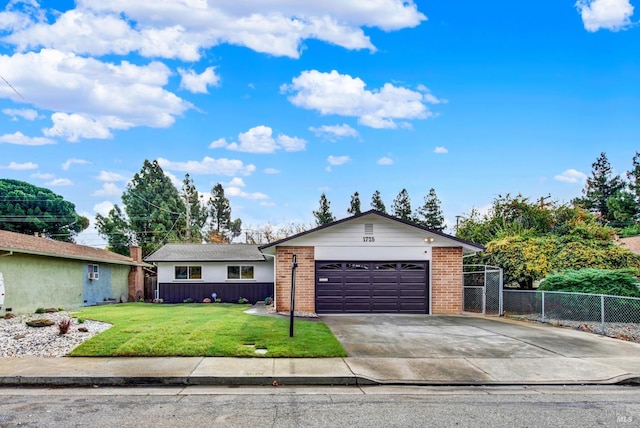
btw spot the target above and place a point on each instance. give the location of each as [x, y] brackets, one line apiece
[197, 271]
[371, 262]
[40, 272]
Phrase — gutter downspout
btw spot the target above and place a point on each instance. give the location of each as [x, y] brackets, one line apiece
[9, 253]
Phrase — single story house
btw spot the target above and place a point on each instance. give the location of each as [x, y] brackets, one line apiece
[41, 272]
[199, 271]
[370, 262]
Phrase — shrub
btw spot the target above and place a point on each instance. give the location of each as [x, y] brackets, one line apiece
[80, 320]
[188, 300]
[632, 230]
[40, 311]
[620, 282]
[60, 309]
[64, 326]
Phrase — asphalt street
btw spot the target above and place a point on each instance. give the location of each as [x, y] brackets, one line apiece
[374, 406]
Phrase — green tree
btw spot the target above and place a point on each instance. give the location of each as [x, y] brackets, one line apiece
[508, 216]
[116, 229]
[155, 212]
[25, 208]
[430, 214]
[402, 206]
[602, 185]
[376, 202]
[323, 215]
[222, 228]
[354, 208]
[197, 212]
[623, 208]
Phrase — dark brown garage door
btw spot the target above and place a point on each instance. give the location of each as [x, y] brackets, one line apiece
[364, 287]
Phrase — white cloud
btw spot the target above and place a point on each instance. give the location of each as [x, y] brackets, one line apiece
[98, 96]
[338, 160]
[238, 192]
[208, 165]
[103, 208]
[25, 113]
[22, 140]
[259, 139]
[571, 176]
[341, 94]
[20, 166]
[182, 29]
[198, 83]
[42, 176]
[271, 171]
[440, 150]
[73, 161]
[60, 182]
[385, 161]
[108, 189]
[110, 176]
[267, 204]
[611, 15]
[334, 132]
[236, 182]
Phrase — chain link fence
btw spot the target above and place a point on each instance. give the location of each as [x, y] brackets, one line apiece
[599, 313]
[482, 289]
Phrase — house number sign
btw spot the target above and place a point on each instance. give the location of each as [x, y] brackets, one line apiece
[368, 239]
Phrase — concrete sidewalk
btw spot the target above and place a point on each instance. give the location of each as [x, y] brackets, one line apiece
[69, 371]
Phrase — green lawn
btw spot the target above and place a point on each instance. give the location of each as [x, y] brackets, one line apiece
[208, 330]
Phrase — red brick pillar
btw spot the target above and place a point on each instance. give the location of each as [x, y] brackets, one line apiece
[305, 279]
[446, 280]
[136, 275]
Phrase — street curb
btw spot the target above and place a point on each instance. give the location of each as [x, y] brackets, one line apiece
[111, 381]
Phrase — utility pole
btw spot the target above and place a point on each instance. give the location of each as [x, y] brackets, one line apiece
[542, 199]
[188, 232]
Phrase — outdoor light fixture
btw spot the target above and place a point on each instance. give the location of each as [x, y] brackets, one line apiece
[429, 239]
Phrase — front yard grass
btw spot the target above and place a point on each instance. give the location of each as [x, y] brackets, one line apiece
[207, 330]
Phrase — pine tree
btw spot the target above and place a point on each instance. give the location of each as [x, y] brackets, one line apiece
[600, 187]
[197, 212]
[430, 213]
[634, 179]
[220, 215]
[402, 206]
[323, 215]
[355, 204]
[376, 202]
[153, 207]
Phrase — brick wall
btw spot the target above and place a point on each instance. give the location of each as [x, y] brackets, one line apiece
[446, 281]
[136, 275]
[305, 279]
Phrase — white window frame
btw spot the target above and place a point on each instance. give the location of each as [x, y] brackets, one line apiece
[188, 278]
[94, 272]
[241, 267]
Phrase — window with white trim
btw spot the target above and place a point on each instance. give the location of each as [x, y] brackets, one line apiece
[94, 272]
[240, 272]
[188, 272]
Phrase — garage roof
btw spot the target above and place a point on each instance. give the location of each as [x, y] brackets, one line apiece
[207, 253]
[468, 247]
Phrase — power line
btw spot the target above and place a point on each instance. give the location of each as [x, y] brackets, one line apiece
[14, 89]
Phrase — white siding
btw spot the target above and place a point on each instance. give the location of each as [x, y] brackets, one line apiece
[216, 271]
[390, 240]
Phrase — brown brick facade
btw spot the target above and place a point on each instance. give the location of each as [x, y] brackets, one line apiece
[446, 280]
[136, 275]
[305, 279]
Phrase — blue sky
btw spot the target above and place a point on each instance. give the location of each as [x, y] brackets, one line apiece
[282, 100]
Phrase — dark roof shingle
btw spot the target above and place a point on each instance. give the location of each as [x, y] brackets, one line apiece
[207, 252]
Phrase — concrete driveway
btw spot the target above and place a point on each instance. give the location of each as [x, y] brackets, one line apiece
[478, 350]
[424, 336]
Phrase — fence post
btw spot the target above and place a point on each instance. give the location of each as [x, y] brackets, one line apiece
[543, 307]
[604, 332]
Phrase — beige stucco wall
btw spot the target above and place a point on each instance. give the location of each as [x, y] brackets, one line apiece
[32, 282]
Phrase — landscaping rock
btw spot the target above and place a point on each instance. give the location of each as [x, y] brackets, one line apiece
[206, 300]
[42, 322]
[83, 329]
[51, 310]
